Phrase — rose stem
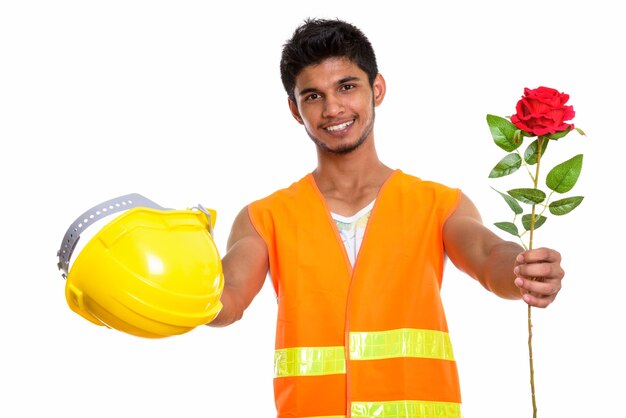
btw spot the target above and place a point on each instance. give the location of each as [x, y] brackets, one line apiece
[530, 247]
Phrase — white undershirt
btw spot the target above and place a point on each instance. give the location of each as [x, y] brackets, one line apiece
[352, 228]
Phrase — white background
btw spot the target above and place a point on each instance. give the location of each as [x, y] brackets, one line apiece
[182, 102]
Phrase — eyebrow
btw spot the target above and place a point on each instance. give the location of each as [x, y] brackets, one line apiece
[339, 82]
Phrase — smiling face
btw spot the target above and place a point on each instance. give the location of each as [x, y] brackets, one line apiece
[335, 103]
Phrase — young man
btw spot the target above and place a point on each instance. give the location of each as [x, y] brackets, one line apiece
[356, 249]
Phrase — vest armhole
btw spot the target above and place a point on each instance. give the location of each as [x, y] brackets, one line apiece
[253, 215]
[453, 205]
[255, 225]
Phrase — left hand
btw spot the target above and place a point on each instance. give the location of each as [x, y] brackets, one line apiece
[539, 275]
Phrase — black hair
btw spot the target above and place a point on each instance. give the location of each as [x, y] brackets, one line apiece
[318, 39]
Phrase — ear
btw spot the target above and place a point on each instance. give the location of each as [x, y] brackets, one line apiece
[379, 89]
[294, 111]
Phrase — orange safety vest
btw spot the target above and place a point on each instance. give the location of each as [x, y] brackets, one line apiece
[370, 341]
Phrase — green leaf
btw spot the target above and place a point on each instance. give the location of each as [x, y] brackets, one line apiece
[530, 196]
[539, 220]
[563, 177]
[509, 164]
[563, 206]
[503, 133]
[515, 207]
[580, 131]
[530, 155]
[558, 135]
[508, 227]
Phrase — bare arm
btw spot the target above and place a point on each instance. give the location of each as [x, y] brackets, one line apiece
[245, 267]
[502, 267]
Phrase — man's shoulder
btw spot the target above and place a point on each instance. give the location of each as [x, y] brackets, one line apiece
[410, 180]
[283, 194]
[426, 195]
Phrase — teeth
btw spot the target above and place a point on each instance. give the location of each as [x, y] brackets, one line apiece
[340, 127]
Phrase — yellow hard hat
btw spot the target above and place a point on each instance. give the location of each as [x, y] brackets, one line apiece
[151, 272]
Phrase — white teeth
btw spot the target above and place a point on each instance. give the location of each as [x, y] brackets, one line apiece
[340, 127]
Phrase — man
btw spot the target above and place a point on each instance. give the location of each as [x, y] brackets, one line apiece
[355, 251]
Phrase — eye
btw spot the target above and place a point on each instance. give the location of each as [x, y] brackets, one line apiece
[345, 87]
[311, 97]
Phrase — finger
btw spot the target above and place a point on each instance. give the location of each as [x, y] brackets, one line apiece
[538, 255]
[539, 288]
[538, 301]
[539, 270]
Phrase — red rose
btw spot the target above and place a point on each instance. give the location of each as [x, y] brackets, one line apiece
[542, 111]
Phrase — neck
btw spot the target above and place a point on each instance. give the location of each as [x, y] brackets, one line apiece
[351, 180]
[348, 170]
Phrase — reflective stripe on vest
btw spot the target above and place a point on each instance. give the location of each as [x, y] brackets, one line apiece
[309, 361]
[408, 409]
[316, 361]
[404, 409]
[403, 342]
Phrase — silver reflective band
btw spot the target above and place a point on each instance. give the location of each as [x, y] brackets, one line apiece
[81, 223]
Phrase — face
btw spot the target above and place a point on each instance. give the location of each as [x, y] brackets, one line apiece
[335, 103]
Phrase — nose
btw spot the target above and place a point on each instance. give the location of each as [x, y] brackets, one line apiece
[332, 106]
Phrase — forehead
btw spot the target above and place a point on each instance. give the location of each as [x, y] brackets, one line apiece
[328, 72]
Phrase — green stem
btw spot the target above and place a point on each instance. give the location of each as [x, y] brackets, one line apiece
[526, 166]
[546, 203]
[530, 247]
